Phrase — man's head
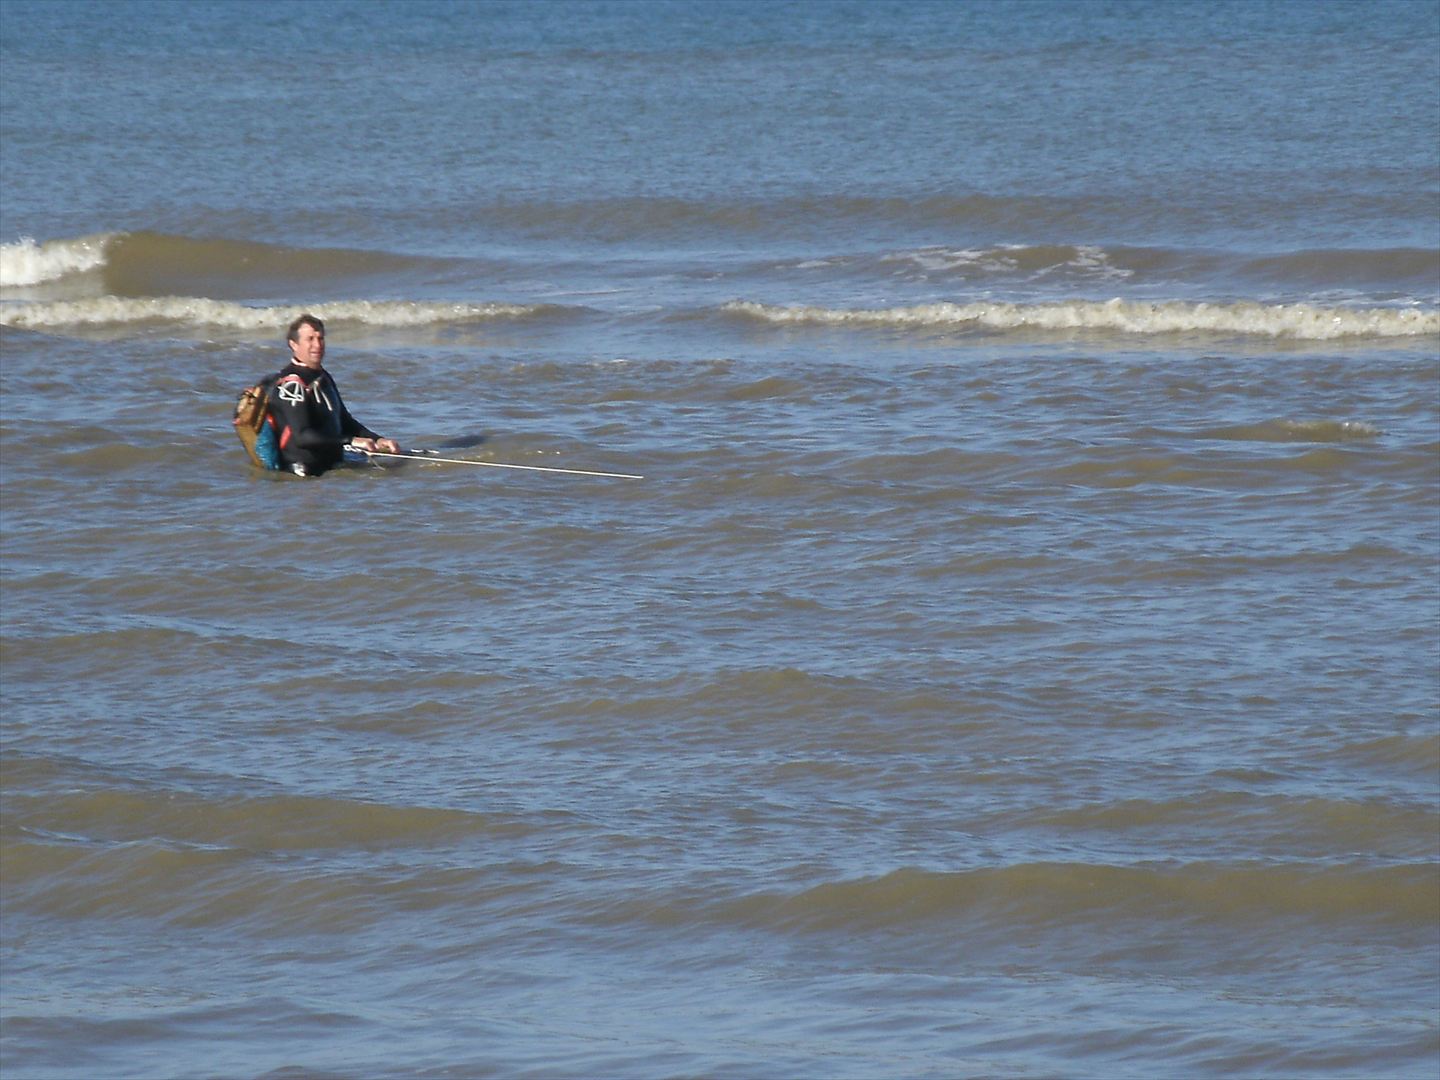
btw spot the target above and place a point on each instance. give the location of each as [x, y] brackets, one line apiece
[307, 341]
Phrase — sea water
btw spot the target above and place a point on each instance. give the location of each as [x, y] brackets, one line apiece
[1020, 658]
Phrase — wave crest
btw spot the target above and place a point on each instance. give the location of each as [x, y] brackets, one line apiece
[1296, 321]
[158, 264]
[193, 311]
[26, 262]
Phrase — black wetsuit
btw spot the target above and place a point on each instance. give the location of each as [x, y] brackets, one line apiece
[312, 424]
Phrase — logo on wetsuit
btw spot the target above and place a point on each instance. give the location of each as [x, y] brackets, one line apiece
[291, 391]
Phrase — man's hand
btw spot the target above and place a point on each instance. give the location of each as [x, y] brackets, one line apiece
[389, 446]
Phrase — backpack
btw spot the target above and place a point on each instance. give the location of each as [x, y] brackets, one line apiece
[255, 425]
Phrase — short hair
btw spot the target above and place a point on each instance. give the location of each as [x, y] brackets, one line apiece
[293, 334]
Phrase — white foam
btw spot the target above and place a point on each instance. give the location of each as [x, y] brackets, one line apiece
[199, 311]
[946, 260]
[1329, 430]
[1297, 321]
[1088, 260]
[27, 263]
[1096, 262]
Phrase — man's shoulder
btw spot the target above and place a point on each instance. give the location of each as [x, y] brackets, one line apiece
[289, 387]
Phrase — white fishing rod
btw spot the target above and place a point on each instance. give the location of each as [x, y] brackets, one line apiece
[431, 455]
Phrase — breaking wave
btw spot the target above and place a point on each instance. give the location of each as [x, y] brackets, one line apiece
[1394, 271]
[26, 262]
[156, 264]
[1295, 321]
[119, 279]
[185, 311]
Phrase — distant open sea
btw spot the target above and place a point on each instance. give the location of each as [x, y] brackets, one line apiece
[1020, 658]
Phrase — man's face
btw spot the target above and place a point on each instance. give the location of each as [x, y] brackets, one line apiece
[308, 348]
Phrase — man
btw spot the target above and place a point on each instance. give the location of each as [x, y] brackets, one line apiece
[312, 425]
